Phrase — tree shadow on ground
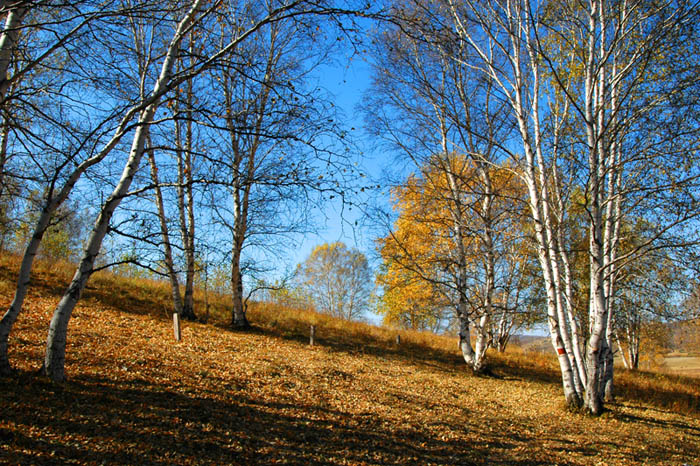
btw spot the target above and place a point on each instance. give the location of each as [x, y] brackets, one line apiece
[407, 351]
[91, 421]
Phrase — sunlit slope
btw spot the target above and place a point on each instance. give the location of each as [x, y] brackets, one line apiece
[135, 396]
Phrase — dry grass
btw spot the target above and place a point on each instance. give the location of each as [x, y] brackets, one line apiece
[685, 364]
[135, 396]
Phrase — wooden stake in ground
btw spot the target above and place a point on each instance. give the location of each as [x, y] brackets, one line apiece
[312, 332]
[176, 326]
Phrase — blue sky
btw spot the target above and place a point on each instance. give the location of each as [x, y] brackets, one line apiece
[346, 82]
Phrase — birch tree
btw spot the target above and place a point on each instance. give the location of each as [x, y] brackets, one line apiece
[57, 166]
[165, 81]
[178, 139]
[165, 236]
[185, 154]
[423, 244]
[56, 341]
[649, 294]
[617, 51]
[282, 147]
[451, 127]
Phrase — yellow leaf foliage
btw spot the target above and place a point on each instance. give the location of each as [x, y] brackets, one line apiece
[420, 252]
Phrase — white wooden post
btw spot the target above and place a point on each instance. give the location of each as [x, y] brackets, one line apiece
[312, 332]
[176, 326]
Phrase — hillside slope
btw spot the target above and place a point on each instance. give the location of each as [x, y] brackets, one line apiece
[135, 396]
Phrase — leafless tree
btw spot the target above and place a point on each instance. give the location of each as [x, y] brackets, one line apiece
[250, 19]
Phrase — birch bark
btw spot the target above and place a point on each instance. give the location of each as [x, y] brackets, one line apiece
[245, 142]
[56, 194]
[54, 361]
[8, 41]
[506, 27]
[56, 341]
[54, 198]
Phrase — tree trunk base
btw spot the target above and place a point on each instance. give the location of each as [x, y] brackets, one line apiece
[240, 323]
[609, 394]
[188, 314]
[483, 371]
[574, 404]
[593, 408]
[55, 375]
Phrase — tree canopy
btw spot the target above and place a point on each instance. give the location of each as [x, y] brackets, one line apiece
[338, 279]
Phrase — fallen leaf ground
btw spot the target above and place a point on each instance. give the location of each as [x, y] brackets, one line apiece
[135, 396]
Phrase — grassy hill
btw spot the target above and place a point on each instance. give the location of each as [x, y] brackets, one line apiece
[135, 396]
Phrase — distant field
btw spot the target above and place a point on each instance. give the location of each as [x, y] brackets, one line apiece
[685, 365]
[674, 363]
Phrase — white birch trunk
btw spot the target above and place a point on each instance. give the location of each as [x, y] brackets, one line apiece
[54, 361]
[186, 213]
[238, 228]
[465, 344]
[239, 319]
[52, 202]
[613, 223]
[4, 139]
[23, 278]
[8, 41]
[524, 100]
[244, 167]
[623, 356]
[594, 118]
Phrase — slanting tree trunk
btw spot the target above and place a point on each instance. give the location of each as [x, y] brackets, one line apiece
[21, 289]
[56, 341]
[632, 338]
[53, 200]
[56, 196]
[165, 236]
[54, 360]
[8, 39]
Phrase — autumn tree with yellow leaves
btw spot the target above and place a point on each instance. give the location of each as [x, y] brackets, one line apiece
[337, 279]
[453, 247]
